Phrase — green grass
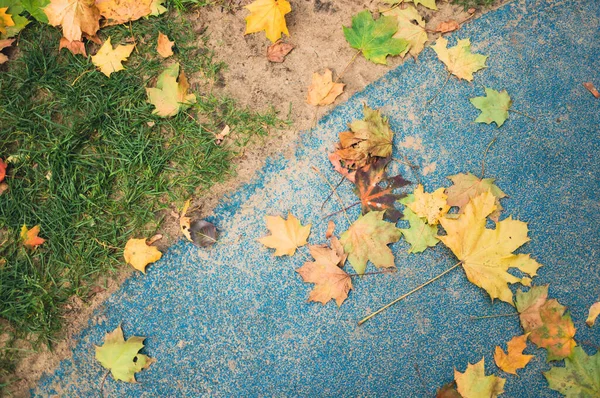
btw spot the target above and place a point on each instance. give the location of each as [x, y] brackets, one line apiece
[473, 3]
[90, 168]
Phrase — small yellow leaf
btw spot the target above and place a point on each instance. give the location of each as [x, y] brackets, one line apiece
[5, 20]
[473, 383]
[514, 358]
[108, 60]
[30, 237]
[431, 206]
[594, 312]
[268, 15]
[458, 59]
[164, 46]
[323, 91]
[411, 27]
[286, 235]
[138, 254]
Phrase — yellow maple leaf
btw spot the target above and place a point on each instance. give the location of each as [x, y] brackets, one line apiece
[138, 254]
[411, 27]
[108, 59]
[30, 237]
[75, 16]
[458, 59]
[323, 91]
[171, 92]
[513, 358]
[268, 15]
[473, 383]
[593, 314]
[486, 254]
[331, 281]
[286, 235]
[5, 20]
[431, 206]
[117, 12]
[164, 46]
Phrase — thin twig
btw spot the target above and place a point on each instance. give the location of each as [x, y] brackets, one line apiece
[421, 380]
[522, 114]
[336, 194]
[440, 89]
[344, 209]
[408, 294]
[102, 383]
[133, 38]
[385, 271]
[484, 155]
[105, 245]
[413, 167]
[331, 193]
[78, 77]
[474, 318]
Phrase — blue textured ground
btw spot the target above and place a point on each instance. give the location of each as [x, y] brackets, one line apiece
[234, 321]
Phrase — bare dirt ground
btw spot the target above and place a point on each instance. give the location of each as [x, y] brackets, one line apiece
[315, 28]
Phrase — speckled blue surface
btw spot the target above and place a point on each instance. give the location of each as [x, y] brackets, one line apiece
[234, 321]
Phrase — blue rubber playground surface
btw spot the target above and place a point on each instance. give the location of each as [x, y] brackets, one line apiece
[233, 320]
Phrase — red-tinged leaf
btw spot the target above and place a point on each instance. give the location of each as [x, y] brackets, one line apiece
[592, 89]
[376, 189]
[3, 167]
[336, 161]
[30, 237]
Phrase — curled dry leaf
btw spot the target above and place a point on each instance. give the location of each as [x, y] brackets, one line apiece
[30, 237]
[323, 91]
[277, 51]
[592, 89]
[286, 235]
[3, 188]
[593, 314]
[5, 44]
[447, 26]
[221, 136]
[331, 281]
[75, 46]
[109, 59]
[330, 229]
[164, 46]
[139, 255]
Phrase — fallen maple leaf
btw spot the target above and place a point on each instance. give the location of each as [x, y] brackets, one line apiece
[514, 358]
[367, 239]
[427, 3]
[277, 51]
[447, 26]
[286, 235]
[139, 254]
[593, 314]
[556, 332]
[335, 160]
[420, 235]
[157, 8]
[473, 383]
[5, 20]
[467, 186]
[30, 237]
[580, 378]
[376, 190]
[109, 60]
[411, 28]
[3, 167]
[431, 206]
[75, 16]
[367, 138]
[486, 254]
[118, 12]
[590, 87]
[75, 47]
[331, 282]
[323, 90]
[268, 15]
[448, 391]
[164, 46]
[170, 94]
[494, 106]
[458, 59]
[121, 357]
[374, 37]
[5, 43]
[528, 305]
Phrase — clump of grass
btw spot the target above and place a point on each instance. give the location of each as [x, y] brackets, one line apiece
[473, 3]
[93, 167]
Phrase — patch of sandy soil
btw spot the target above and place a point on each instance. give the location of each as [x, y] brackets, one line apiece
[315, 28]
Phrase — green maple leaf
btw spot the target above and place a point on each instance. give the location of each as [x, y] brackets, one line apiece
[171, 92]
[367, 239]
[494, 106]
[579, 378]
[420, 235]
[374, 37]
[121, 357]
[35, 8]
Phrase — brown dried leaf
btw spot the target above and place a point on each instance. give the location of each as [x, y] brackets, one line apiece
[323, 90]
[277, 51]
[164, 46]
[75, 46]
[448, 26]
[592, 89]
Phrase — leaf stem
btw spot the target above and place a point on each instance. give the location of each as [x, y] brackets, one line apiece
[331, 193]
[484, 155]
[440, 89]
[335, 192]
[385, 271]
[102, 383]
[344, 209]
[407, 294]
[521, 113]
[474, 318]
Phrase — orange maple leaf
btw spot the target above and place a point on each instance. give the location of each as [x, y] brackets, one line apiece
[3, 167]
[30, 237]
[514, 358]
[323, 90]
[76, 17]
